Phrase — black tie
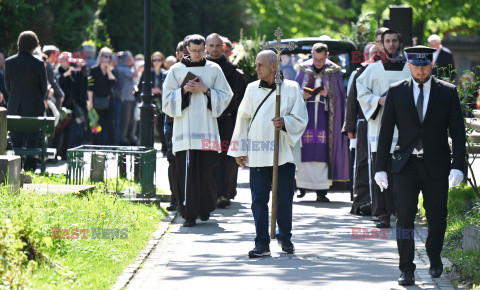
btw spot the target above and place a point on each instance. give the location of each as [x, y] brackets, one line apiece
[420, 113]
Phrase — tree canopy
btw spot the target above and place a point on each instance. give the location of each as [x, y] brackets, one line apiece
[119, 23]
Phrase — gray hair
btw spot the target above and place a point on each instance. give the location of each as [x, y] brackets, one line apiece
[434, 37]
[271, 56]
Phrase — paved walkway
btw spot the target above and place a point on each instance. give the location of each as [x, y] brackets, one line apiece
[329, 252]
[213, 255]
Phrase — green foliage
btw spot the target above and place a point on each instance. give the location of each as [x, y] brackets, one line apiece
[124, 24]
[58, 22]
[32, 257]
[363, 31]
[440, 17]
[244, 55]
[299, 18]
[204, 17]
[463, 210]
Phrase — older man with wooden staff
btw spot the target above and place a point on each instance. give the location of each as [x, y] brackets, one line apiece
[254, 145]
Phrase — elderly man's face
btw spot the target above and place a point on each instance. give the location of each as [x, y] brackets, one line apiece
[265, 69]
[434, 44]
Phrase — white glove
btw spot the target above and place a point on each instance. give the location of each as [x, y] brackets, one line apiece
[382, 180]
[456, 176]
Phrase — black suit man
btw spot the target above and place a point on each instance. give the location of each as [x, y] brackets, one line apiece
[443, 65]
[26, 84]
[424, 109]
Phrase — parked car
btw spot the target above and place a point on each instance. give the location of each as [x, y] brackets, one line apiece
[340, 52]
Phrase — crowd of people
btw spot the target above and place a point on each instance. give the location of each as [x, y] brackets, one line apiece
[210, 122]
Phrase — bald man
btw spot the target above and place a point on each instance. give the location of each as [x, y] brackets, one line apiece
[253, 145]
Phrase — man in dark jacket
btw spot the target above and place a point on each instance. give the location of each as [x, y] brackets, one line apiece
[443, 64]
[228, 169]
[425, 110]
[26, 84]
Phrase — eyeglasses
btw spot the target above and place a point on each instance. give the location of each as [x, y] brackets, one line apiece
[106, 56]
[200, 51]
[157, 59]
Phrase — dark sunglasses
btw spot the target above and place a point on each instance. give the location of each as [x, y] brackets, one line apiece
[157, 59]
[106, 56]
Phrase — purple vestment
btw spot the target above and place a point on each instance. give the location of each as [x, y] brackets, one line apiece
[323, 140]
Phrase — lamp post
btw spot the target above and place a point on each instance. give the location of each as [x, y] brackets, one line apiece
[147, 109]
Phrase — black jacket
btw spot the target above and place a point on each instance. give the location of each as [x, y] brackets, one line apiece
[353, 112]
[444, 65]
[443, 117]
[26, 84]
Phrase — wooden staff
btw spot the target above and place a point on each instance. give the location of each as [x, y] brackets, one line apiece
[278, 48]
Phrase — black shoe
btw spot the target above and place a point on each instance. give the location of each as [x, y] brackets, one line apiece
[436, 271]
[366, 209]
[383, 223]
[204, 217]
[322, 199]
[259, 251]
[407, 278]
[302, 192]
[223, 203]
[287, 246]
[190, 223]
[172, 207]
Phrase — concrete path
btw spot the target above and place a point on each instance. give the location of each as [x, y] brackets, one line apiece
[334, 250]
[213, 255]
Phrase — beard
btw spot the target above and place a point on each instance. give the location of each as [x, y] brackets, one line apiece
[421, 81]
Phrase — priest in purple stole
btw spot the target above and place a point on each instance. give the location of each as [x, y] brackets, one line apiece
[324, 148]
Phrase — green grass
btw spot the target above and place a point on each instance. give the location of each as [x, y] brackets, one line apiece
[27, 218]
[463, 210]
[110, 184]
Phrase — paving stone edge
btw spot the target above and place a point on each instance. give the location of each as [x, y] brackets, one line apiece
[127, 275]
[423, 264]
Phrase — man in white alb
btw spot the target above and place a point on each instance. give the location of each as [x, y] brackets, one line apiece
[253, 145]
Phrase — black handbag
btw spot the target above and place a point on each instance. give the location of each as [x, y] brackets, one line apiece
[101, 103]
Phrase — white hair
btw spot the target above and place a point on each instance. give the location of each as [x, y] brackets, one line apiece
[434, 37]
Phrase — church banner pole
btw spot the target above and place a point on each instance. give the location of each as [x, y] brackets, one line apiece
[278, 47]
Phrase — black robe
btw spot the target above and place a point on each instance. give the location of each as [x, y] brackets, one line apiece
[228, 169]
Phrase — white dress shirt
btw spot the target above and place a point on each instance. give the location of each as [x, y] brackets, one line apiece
[426, 95]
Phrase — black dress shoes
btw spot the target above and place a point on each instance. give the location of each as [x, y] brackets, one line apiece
[436, 271]
[189, 223]
[204, 216]
[302, 192]
[384, 223]
[407, 278]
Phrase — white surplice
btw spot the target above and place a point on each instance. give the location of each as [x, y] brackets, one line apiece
[195, 126]
[371, 85]
[256, 140]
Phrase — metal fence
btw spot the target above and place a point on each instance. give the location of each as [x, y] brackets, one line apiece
[125, 170]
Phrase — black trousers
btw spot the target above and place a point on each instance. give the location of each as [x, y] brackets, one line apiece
[407, 185]
[361, 179]
[383, 203]
[227, 176]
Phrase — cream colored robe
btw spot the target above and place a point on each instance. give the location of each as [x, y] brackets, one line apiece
[195, 126]
[371, 85]
[257, 141]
